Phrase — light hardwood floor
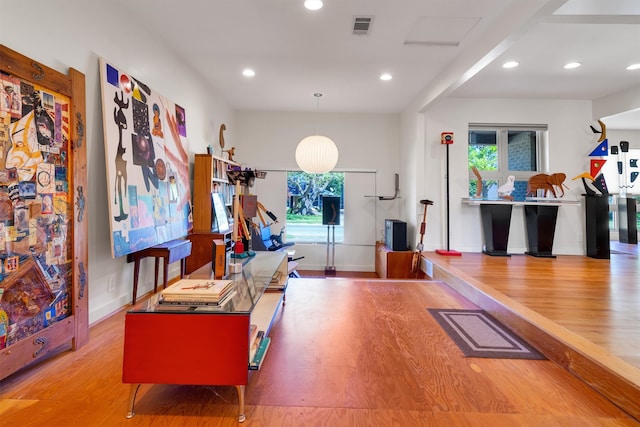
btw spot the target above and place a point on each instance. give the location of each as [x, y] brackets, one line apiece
[582, 312]
[596, 299]
[345, 352]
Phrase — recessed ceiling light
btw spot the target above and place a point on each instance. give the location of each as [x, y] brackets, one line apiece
[510, 64]
[313, 4]
[386, 76]
[248, 72]
[572, 65]
[633, 67]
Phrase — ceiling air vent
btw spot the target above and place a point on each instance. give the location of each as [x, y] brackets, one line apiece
[361, 25]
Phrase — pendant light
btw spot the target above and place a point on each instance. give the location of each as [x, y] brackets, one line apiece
[316, 153]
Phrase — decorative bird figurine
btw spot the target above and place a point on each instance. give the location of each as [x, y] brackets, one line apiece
[602, 132]
[230, 152]
[504, 191]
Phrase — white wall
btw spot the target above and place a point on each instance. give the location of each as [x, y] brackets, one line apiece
[62, 37]
[569, 145]
[616, 135]
[413, 179]
[366, 142]
[616, 103]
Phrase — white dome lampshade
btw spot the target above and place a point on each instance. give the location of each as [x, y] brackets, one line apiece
[316, 154]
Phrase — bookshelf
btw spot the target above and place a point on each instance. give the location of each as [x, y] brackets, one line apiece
[209, 176]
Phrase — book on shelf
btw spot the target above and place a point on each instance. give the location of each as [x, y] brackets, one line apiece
[197, 290]
[198, 303]
[256, 362]
[255, 344]
[276, 282]
[174, 308]
[276, 277]
[226, 305]
[253, 332]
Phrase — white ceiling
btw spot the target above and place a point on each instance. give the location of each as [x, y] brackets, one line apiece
[456, 48]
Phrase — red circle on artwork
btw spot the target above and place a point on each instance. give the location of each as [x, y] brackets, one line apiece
[125, 83]
[161, 169]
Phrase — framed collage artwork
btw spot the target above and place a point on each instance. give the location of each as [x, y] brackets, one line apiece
[43, 228]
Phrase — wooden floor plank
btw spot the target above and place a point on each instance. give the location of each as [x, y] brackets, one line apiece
[345, 352]
[584, 310]
[598, 298]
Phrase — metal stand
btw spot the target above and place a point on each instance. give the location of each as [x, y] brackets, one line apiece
[330, 269]
[448, 251]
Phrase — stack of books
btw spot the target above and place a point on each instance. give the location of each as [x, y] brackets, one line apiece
[259, 343]
[255, 337]
[276, 282]
[194, 292]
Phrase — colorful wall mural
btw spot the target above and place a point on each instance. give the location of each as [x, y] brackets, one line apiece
[145, 138]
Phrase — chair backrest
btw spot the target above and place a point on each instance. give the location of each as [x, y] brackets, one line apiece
[265, 242]
[265, 236]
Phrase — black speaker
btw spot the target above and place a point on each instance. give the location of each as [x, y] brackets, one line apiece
[330, 210]
[395, 234]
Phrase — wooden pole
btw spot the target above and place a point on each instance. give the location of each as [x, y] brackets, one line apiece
[236, 211]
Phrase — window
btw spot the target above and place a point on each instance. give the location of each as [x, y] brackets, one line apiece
[498, 151]
[304, 206]
[613, 211]
[618, 181]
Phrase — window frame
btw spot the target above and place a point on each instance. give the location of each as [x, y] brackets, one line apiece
[320, 236]
[502, 144]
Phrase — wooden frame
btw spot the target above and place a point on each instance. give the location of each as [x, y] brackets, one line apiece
[60, 264]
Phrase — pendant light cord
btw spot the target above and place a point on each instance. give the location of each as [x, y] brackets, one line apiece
[318, 95]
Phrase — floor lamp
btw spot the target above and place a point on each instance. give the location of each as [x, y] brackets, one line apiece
[446, 138]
